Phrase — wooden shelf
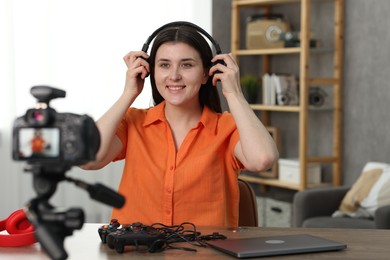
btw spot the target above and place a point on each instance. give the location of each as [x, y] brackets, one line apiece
[275, 108]
[263, 2]
[274, 51]
[280, 184]
[270, 182]
[280, 51]
[303, 53]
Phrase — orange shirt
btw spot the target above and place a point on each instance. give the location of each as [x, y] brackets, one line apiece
[197, 184]
[37, 144]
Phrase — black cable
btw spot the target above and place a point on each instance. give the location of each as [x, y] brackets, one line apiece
[185, 232]
[178, 233]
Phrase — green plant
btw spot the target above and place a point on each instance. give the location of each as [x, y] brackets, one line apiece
[250, 87]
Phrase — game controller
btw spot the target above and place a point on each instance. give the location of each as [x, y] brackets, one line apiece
[135, 234]
[107, 229]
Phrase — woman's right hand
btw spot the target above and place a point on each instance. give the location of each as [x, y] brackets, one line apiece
[137, 70]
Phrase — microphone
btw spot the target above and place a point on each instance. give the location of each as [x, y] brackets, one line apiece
[101, 193]
[106, 195]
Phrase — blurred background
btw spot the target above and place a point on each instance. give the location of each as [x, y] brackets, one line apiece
[76, 46]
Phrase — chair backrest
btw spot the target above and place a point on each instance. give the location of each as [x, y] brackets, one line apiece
[247, 206]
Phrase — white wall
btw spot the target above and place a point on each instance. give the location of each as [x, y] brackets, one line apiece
[75, 45]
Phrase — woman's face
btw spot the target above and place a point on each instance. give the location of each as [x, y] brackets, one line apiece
[179, 73]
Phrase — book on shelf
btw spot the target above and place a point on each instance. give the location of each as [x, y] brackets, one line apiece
[280, 89]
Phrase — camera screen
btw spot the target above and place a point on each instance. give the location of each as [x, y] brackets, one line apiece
[39, 143]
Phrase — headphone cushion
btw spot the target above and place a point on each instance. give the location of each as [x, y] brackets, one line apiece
[18, 223]
[20, 230]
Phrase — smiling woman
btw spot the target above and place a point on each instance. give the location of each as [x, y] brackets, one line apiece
[77, 46]
[160, 144]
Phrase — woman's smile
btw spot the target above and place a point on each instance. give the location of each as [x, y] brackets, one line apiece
[175, 87]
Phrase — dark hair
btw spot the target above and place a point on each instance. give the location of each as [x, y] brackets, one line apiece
[208, 94]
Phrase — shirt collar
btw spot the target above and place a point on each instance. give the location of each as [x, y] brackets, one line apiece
[155, 114]
[208, 120]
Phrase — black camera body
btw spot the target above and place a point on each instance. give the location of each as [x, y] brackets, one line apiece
[44, 136]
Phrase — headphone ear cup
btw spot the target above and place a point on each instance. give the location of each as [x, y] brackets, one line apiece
[18, 223]
[218, 62]
[148, 61]
[20, 230]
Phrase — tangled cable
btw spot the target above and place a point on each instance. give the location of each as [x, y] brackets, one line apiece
[185, 232]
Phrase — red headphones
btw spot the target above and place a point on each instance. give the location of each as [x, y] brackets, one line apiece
[20, 230]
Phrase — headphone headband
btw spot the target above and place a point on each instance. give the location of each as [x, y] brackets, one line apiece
[145, 47]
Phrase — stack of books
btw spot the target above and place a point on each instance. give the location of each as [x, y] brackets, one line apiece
[280, 90]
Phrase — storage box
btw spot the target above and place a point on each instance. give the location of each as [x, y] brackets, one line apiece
[274, 212]
[289, 171]
[277, 213]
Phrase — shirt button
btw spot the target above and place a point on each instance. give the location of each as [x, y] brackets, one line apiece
[171, 168]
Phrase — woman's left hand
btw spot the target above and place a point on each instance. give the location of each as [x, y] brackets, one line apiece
[227, 72]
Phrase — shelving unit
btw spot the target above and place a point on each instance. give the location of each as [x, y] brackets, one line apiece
[305, 82]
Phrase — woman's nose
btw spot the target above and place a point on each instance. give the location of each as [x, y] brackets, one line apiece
[175, 73]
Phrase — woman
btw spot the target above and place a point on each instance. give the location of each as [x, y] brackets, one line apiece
[182, 156]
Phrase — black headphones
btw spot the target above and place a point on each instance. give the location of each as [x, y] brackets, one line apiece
[145, 47]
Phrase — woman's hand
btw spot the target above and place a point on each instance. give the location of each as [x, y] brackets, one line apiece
[228, 73]
[137, 70]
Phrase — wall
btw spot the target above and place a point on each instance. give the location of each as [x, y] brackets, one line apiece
[77, 46]
[366, 92]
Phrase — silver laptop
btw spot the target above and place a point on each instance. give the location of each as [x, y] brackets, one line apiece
[275, 245]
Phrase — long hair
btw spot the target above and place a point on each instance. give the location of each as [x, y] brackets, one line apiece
[208, 94]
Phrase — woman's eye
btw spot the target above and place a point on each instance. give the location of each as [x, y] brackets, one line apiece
[164, 65]
[186, 65]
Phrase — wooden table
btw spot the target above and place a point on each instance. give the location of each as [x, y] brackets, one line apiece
[85, 244]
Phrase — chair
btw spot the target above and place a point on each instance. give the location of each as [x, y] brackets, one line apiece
[247, 205]
[314, 209]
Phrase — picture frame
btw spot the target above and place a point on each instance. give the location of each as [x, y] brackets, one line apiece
[274, 171]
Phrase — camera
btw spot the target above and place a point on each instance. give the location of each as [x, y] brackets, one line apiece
[44, 136]
[51, 143]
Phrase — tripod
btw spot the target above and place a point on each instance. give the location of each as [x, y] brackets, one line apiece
[51, 225]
